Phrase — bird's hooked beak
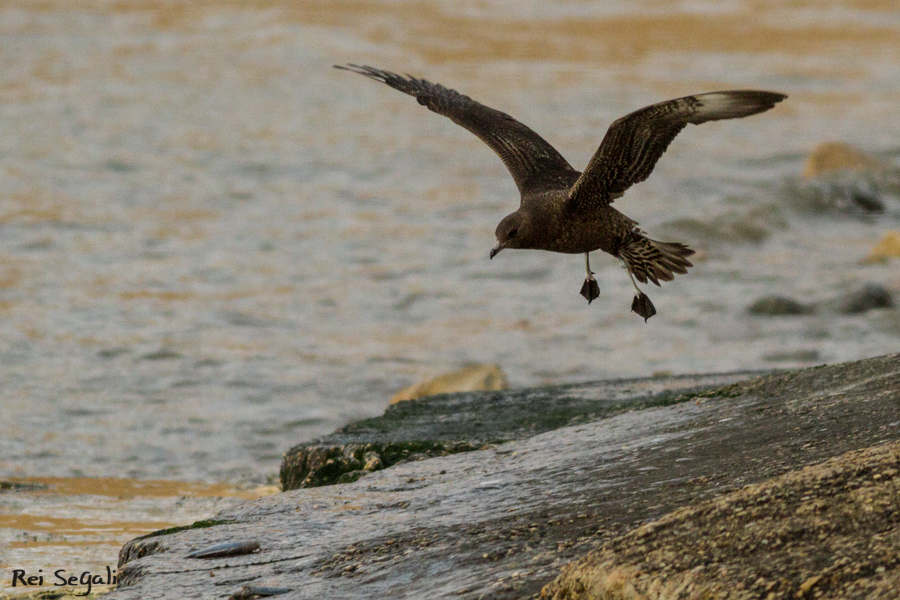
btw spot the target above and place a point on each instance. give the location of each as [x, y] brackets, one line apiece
[496, 249]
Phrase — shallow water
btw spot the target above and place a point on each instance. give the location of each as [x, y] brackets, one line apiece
[57, 528]
[213, 245]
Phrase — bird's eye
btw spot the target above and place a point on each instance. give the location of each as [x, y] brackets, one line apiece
[513, 232]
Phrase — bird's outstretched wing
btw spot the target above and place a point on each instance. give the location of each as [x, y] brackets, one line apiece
[533, 163]
[635, 142]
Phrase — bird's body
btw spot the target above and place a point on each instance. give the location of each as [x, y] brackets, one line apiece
[572, 232]
[563, 210]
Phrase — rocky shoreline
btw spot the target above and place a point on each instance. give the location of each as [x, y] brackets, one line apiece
[504, 520]
[826, 531]
[446, 424]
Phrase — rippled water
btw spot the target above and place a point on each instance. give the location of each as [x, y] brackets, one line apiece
[213, 245]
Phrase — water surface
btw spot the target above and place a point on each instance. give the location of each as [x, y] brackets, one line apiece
[213, 245]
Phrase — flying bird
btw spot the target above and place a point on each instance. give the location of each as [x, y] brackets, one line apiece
[562, 210]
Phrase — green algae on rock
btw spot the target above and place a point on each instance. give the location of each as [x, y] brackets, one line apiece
[446, 424]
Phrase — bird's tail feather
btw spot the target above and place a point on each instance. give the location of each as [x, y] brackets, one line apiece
[656, 261]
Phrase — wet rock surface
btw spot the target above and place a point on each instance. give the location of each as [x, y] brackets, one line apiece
[826, 531]
[501, 522]
[450, 423]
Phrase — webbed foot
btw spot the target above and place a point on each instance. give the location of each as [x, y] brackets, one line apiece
[642, 306]
[590, 290]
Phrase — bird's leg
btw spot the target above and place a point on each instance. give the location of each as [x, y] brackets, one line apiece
[641, 303]
[590, 289]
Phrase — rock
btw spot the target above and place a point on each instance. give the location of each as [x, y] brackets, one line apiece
[793, 356]
[867, 200]
[830, 157]
[833, 528]
[868, 297]
[887, 247]
[857, 193]
[842, 179]
[451, 423]
[372, 462]
[779, 306]
[472, 378]
[754, 225]
[500, 522]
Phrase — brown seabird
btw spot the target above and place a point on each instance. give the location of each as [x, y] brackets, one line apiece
[563, 210]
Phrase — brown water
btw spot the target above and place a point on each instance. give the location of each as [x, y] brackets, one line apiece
[77, 525]
[213, 245]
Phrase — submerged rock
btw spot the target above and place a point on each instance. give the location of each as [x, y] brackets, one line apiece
[868, 297]
[838, 177]
[793, 356]
[734, 226]
[779, 306]
[867, 200]
[860, 194]
[471, 378]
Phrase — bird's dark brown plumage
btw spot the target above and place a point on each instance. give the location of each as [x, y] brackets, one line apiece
[533, 163]
[563, 210]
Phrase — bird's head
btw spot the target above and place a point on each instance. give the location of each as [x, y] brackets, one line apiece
[514, 231]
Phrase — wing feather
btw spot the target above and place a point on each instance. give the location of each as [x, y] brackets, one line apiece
[634, 143]
[533, 163]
